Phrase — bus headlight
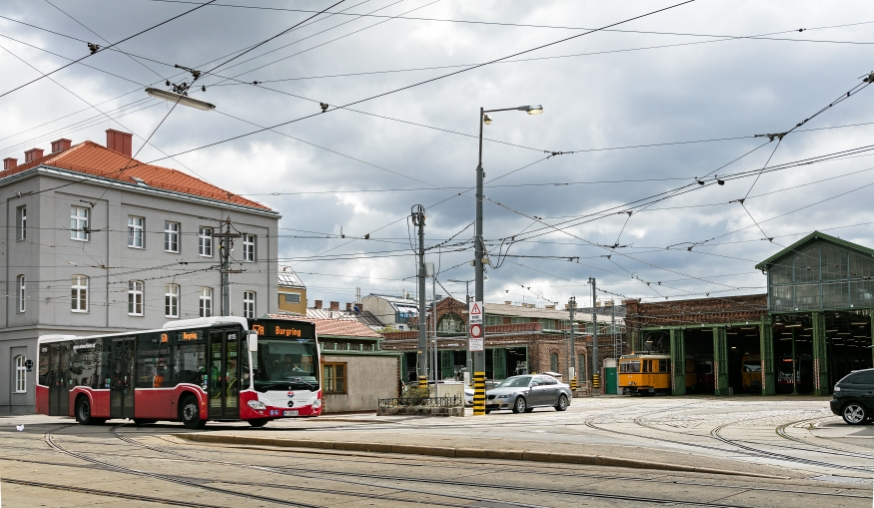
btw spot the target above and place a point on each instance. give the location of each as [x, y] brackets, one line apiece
[257, 405]
[317, 403]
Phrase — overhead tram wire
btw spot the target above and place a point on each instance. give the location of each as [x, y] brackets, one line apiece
[424, 82]
[99, 50]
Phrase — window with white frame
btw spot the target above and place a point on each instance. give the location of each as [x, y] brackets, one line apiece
[79, 223]
[22, 294]
[204, 241]
[171, 236]
[249, 248]
[79, 293]
[20, 374]
[205, 302]
[135, 231]
[135, 297]
[171, 300]
[21, 222]
[249, 304]
[291, 297]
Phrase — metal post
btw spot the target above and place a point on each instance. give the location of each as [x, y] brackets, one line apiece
[479, 359]
[596, 381]
[418, 215]
[435, 366]
[226, 244]
[794, 371]
[613, 328]
[572, 307]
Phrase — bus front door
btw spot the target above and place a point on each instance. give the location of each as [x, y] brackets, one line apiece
[121, 387]
[224, 384]
[59, 389]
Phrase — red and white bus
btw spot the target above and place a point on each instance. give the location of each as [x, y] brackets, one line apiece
[194, 371]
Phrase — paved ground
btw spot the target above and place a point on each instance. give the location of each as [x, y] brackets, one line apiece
[54, 462]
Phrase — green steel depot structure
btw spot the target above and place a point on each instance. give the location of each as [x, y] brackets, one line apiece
[812, 327]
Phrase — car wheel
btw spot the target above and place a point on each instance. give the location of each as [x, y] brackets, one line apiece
[854, 413]
[190, 413]
[520, 405]
[562, 403]
[259, 422]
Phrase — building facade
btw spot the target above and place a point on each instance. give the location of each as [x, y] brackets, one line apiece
[97, 242]
[292, 293]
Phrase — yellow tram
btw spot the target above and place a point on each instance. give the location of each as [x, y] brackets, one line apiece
[651, 372]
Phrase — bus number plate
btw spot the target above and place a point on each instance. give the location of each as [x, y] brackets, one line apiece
[290, 413]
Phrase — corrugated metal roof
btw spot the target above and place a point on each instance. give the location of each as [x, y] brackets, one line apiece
[287, 277]
[96, 160]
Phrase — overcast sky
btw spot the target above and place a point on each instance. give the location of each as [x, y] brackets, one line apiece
[691, 79]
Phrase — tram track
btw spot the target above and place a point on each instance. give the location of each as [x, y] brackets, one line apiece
[781, 431]
[285, 470]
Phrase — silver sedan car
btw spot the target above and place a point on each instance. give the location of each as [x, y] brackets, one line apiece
[524, 393]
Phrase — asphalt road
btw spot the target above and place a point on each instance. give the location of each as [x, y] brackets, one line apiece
[54, 462]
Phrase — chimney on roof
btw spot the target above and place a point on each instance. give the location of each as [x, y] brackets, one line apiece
[349, 307]
[119, 141]
[61, 145]
[33, 154]
[550, 307]
[335, 305]
[508, 302]
[318, 304]
[9, 163]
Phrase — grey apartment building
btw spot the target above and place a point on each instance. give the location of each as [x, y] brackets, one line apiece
[97, 242]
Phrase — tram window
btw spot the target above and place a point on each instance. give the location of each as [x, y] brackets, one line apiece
[752, 366]
[630, 366]
[646, 364]
[189, 363]
[663, 365]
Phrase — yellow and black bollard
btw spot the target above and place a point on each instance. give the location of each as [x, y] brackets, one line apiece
[596, 381]
[479, 393]
[573, 384]
[423, 382]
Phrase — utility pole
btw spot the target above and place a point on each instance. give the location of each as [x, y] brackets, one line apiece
[418, 216]
[467, 360]
[572, 307]
[596, 372]
[226, 239]
[613, 328]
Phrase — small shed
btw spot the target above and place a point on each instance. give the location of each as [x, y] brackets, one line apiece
[355, 372]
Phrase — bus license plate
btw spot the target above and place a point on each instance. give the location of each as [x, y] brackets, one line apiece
[290, 413]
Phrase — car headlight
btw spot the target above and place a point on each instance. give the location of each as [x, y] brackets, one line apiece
[503, 396]
[837, 388]
[317, 403]
[257, 405]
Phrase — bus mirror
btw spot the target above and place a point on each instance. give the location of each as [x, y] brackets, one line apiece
[253, 341]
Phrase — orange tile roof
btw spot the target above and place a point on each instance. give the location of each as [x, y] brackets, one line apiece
[93, 159]
[337, 327]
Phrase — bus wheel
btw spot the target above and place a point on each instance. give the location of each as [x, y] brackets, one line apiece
[260, 422]
[83, 413]
[190, 413]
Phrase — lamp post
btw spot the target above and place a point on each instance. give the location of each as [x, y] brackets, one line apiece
[467, 303]
[479, 359]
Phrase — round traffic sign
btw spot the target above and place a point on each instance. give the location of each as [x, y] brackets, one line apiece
[476, 331]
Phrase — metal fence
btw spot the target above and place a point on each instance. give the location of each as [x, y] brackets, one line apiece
[454, 401]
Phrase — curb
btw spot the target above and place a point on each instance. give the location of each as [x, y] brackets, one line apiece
[440, 451]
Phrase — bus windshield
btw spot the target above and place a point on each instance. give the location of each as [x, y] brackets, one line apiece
[286, 364]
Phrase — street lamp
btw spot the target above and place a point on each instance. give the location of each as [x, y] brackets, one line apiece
[479, 359]
[179, 99]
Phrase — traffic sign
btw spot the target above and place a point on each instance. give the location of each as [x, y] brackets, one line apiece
[475, 313]
[476, 331]
[476, 345]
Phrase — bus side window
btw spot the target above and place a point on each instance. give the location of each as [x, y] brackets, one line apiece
[189, 363]
[244, 362]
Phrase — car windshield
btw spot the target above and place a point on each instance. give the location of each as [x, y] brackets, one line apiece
[284, 363]
[515, 382]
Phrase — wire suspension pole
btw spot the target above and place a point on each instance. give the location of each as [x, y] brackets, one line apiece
[572, 336]
[479, 359]
[596, 380]
[418, 215]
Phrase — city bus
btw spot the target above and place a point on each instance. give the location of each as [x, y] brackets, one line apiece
[193, 371]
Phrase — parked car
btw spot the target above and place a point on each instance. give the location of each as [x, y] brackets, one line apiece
[853, 397]
[468, 396]
[524, 393]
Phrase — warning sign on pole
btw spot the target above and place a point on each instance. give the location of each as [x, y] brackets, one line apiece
[475, 313]
[476, 345]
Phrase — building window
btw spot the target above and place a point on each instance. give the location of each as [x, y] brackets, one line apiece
[291, 297]
[21, 222]
[249, 304]
[79, 223]
[135, 298]
[21, 293]
[334, 377]
[171, 236]
[79, 293]
[553, 362]
[450, 323]
[205, 302]
[581, 367]
[204, 241]
[171, 300]
[20, 374]
[135, 227]
[249, 248]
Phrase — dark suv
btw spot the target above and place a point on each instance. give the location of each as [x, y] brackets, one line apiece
[854, 397]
